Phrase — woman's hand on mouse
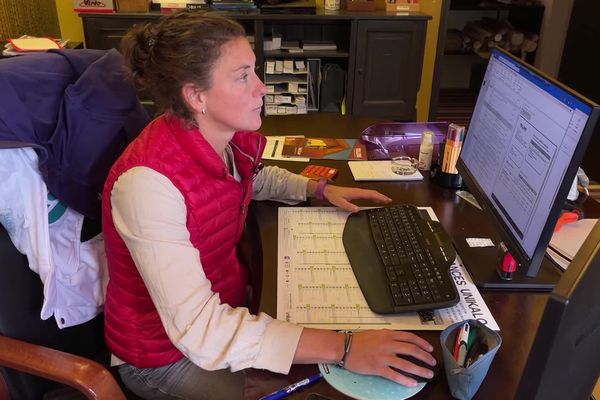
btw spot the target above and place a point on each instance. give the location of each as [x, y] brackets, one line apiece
[374, 352]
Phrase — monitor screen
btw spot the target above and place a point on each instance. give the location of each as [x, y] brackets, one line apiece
[564, 361]
[525, 141]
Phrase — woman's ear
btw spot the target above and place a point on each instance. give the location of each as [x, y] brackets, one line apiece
[194, 98]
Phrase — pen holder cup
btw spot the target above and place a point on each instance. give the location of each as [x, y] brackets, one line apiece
[465, 381]
[453, 181]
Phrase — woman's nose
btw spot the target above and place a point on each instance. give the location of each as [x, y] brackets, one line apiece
[262, 88]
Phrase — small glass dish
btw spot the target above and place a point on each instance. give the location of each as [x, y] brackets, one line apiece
[404, 165]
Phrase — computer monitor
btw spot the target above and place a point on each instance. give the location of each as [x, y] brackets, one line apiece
[564, 361]
[525, 141]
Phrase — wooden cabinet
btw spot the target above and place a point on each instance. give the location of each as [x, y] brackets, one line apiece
[381, 53]
[387, 77]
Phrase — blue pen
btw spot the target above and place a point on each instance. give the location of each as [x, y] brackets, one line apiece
[294, 387]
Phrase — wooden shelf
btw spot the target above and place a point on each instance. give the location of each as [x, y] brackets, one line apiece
[308, 54]
[362, 39]
[490, 5]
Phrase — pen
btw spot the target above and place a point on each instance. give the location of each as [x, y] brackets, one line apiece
[275, 148]
[472, 338]
[479, 348]
[462, 339]
[294, 387]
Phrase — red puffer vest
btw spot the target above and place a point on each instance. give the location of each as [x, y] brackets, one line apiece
[216, 211]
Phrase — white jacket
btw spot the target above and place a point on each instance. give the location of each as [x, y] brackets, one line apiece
[74, 274]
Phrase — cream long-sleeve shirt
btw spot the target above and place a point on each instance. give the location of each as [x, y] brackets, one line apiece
[150, 215]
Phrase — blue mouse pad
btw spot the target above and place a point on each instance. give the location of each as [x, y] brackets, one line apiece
[366, 387]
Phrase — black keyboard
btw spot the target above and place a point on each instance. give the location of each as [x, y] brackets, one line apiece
[401, 260]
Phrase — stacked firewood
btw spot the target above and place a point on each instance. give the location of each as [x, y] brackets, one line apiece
[483, 35]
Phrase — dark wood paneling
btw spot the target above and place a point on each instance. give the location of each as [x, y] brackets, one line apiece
[389, 57]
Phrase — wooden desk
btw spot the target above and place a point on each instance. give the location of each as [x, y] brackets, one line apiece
[518, 314]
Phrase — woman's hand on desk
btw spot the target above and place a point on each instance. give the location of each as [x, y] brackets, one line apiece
[342, 197]
[373, 352]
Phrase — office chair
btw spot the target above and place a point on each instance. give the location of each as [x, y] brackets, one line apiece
[79, 111]
[32, 349]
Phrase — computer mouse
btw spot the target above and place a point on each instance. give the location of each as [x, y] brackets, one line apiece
[435, 369]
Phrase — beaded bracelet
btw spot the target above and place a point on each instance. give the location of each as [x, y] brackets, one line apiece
[347, 344]
[320, 192]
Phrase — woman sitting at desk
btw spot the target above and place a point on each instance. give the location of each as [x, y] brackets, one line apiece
[174, 208]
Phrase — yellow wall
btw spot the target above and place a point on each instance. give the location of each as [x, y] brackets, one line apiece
[71, 28]
[70, 24]
[433, 8]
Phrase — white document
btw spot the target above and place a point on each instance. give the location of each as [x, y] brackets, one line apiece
[273, 150]
[317, 288]
[379, 171]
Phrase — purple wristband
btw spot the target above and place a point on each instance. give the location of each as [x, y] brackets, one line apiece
[320, 192]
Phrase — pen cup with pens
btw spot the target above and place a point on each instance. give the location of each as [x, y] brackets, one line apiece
[469, 348]
[445, 173]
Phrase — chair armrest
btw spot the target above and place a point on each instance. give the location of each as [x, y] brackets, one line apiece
[85, 375]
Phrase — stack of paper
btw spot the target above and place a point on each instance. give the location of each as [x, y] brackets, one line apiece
[30, 44]
[379, 171]
[566, 242]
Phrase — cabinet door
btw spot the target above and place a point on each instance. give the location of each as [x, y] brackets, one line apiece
[107, 32]
[389, 58]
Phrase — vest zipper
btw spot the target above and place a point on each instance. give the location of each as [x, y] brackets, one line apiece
[257, 166]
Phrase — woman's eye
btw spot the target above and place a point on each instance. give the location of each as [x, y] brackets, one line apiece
[244, 77]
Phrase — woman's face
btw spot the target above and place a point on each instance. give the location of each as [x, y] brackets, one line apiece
[234, 102]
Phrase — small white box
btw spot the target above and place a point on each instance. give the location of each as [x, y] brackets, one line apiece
[268, 44]
[269, 67]
[279, 66]
[288, 66]
[270, 109]
[281, 98]
[298, 100]
[269, 99]
[276, 42]
[293, 87]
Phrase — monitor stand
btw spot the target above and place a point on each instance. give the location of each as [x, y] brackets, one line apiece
[481, 263]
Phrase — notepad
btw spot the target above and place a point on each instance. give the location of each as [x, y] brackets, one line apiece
[570, 237]
[379, 171]
[34, 44]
